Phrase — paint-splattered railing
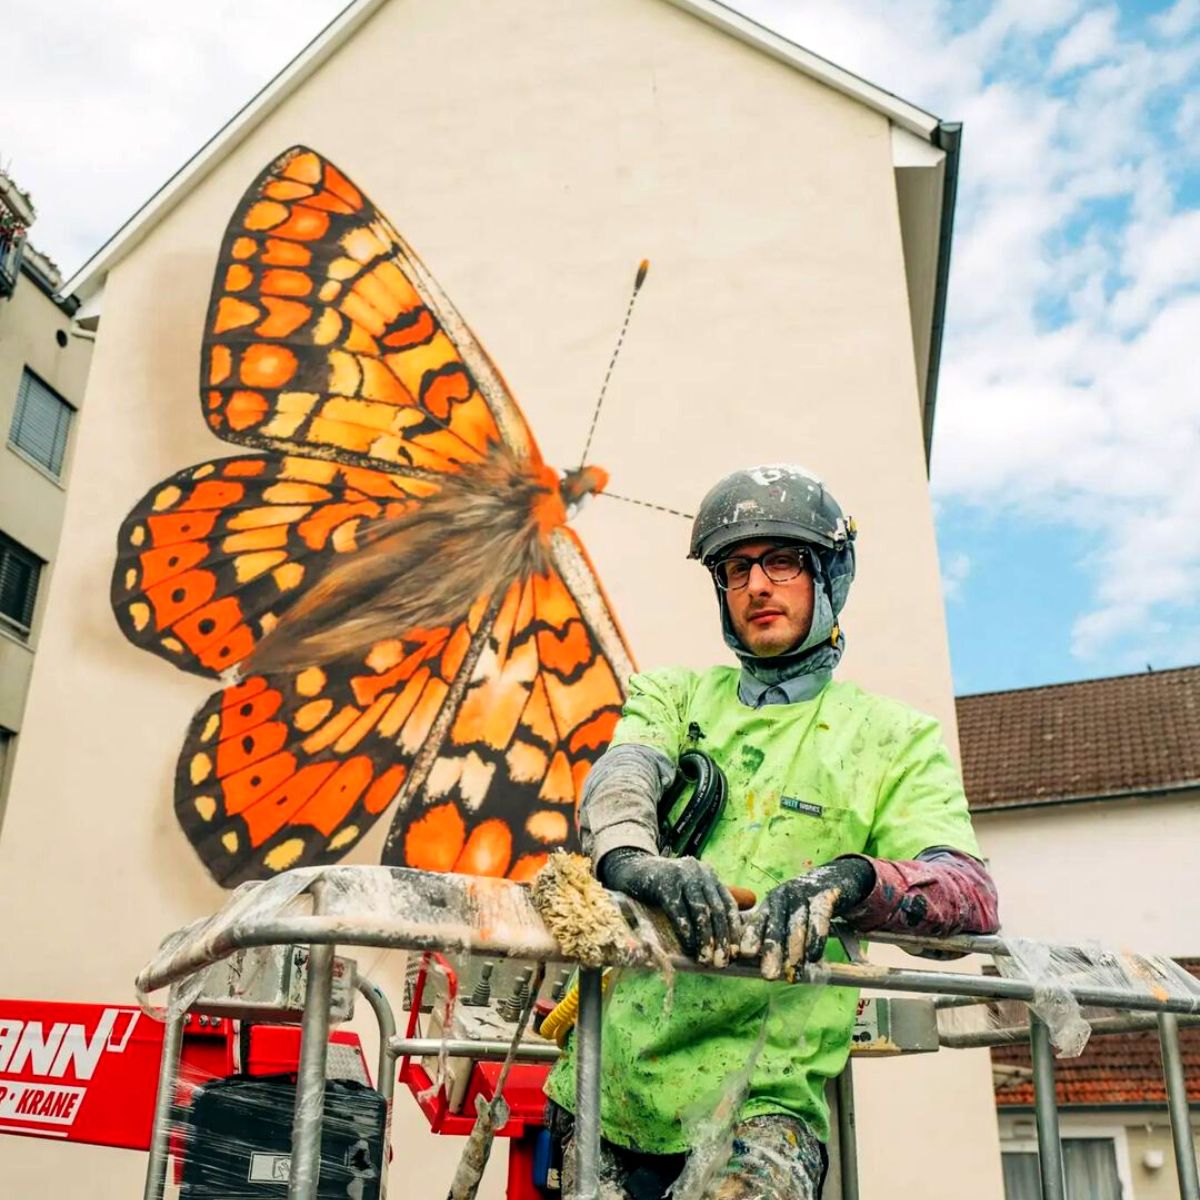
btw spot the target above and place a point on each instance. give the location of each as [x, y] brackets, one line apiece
[413, 910]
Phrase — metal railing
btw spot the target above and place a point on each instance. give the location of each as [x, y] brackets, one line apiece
[494, 918]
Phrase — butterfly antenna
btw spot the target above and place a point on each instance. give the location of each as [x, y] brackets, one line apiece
[638, 280]
[675, 512]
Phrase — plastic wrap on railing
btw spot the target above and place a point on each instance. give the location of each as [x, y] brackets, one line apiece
[1055, 972]
[230, 1135]
[250, 902]
[379, 905]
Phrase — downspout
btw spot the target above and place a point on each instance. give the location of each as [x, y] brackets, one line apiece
[947, 137]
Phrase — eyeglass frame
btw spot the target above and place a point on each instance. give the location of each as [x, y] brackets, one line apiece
[802, 551]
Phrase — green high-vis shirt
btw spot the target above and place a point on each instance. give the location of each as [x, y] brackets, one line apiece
[843, 773]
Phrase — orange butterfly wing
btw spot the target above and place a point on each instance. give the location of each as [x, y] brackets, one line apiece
[326, 336]
[292, 769]
[210, 559]
[331, 348]
[536, 712]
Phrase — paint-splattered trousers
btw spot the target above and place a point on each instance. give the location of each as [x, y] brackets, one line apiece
[773, 1157]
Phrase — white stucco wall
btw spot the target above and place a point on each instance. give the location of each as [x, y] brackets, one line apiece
[533, 153]
[1121, 872]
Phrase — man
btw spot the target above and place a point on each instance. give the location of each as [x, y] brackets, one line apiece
[841, 804]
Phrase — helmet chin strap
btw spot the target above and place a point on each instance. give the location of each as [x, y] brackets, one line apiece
[819, 650]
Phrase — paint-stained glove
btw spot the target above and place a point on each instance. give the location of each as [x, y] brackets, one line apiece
[698, 905]
[792, 923]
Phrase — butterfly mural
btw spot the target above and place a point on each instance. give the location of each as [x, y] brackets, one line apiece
[385, 584]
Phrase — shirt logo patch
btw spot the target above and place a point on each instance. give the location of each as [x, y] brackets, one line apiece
[801, 806]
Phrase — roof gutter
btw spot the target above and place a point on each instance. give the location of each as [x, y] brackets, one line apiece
[948, 138]
[1172, 789]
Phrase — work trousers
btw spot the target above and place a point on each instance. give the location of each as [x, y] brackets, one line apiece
[773, 1157]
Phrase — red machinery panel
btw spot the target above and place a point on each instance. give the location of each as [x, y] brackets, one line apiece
[79, 1072]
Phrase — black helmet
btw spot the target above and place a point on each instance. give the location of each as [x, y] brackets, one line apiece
[774, 501]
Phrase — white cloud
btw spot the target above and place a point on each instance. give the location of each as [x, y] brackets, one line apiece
[1068, 381]
[102, 105]
[1091, 38]
[955, 570]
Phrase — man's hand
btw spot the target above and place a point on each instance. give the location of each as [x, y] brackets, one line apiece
[792, 925]
[698, 905]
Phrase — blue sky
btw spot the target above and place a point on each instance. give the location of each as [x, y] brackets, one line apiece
[1068, 421]
[1068, 427]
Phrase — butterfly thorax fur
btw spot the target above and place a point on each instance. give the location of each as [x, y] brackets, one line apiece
[487, 526]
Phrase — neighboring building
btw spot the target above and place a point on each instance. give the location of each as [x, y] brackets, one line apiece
[1087, 801]
[1112, 1111]
[42, 374]
[797, 220]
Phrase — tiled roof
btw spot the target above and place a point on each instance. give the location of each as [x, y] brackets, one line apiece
[1113, 1069]
[1098, 737]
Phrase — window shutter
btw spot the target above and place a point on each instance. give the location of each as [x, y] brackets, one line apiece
[19, 574]
[41, 423]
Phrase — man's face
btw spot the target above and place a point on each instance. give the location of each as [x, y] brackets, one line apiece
[770, 618]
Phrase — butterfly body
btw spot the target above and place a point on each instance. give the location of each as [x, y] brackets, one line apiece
[387, 583]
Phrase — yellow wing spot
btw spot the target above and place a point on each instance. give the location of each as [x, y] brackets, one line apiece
[328, 328]
[269, 537]
[284, 855]
[206, 807]
[547, 826]
[204, 471]
[332, 729]
[295, 493]
[344, 536]
[305, 167]
[210, 727]
[167, 497]
[344, 268]
[329, 291]
[344, 376]
[288, 576]
[363, 245]
[230, 841]
[266, 214]
[369, 414]
[251, 566]
[526, 763]
[310, 470]
[279, 514]
[137, 535]
[173, 644]
[267, 622]
[200, 767]
[288, 418]
[343, 838]
[384, 655]
[475, 780]
[312, 714]
[139, 614]
[310, 681]
[130, 579]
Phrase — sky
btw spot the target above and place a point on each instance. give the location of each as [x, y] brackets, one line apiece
[1065, 480]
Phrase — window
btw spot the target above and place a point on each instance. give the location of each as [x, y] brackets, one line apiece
[41, 423]
[20, 570]
[1089, 1163]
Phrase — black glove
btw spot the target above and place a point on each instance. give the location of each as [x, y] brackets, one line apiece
[792, 923]
[697, 904]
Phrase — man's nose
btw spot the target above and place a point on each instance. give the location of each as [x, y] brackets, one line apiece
[759, 580]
